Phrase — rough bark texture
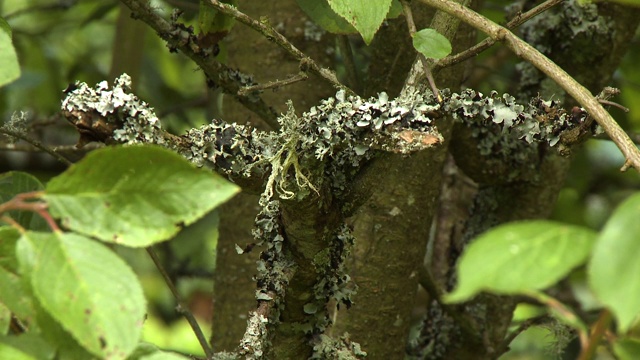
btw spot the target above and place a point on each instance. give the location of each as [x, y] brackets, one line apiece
[234, 288]
[392, 227]
[249, 51]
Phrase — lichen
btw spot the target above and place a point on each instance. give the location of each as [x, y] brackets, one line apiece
[435, 336]
[563, 34]
[327, 348]
[333, 281]
[327, 145]
[252, 345]
[506, 130]
[16, 124]
[137, 121]
[313, 32]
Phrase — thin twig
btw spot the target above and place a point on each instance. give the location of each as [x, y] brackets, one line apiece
[614, 104]
[271, 34]
[181, 39]
[488, 42]
[20, 202]
[597, 330]
[350, 65]
[406, 9]
[68, 149]
[181, 308]
[568, 83]
[274, 84]
[35, 143]
[12, 223]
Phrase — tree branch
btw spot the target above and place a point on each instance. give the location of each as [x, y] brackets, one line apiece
[182, 39]
[181, 308]
[488, 42]
[571, 86]
[271, 34]
[37, 144]
[274, 84]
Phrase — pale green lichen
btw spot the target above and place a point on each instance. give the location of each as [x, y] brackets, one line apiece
[253, 343]
[564, 34]
[333, 281]
[137, 121]
[328, 348]
[17, 124]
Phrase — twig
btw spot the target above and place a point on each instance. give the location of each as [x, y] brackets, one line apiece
[19, 202]
[12, 223]
[182, 40]
[406, 9]
[35, 143]
[181, 308]
[614, 104]
[274, 84]
[570, 85]
[597, 330]
[488, 42]
[350, 66]
[58, 148]
[271, 34]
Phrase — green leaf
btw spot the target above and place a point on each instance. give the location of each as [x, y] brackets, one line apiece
[134, 195]
[8, 239]
[13, 296]
[5, 319]
[13, 183]
[395, 11]
[88, 289]
[614, 269]
[623, 2]
[30, 344]
[365, 15]
[320, 12]
[431, 44]
[521, 257]
[9, 66]
[143, 349]
[211, 20]
[66, 346]
[9, 352]
[163, 355]
[627, 349]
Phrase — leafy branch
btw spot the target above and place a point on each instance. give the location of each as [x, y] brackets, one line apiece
[488, 42]
[568, 83]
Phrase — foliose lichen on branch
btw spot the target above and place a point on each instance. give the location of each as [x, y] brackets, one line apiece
[341, 132]
[562, 34]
